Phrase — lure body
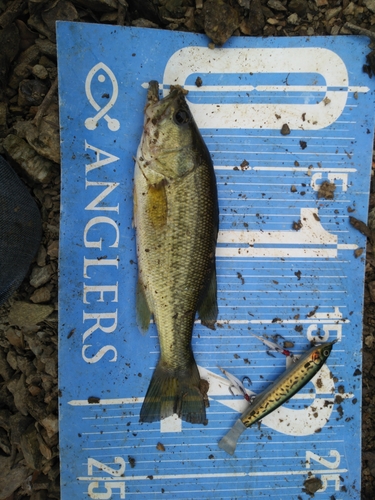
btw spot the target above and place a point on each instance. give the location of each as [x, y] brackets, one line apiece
[280, 391]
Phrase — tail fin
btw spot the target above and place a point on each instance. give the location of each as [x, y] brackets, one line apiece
[175, 391]
[229, 442]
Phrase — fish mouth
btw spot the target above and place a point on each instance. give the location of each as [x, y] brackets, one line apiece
[157, 108]
[153, 92]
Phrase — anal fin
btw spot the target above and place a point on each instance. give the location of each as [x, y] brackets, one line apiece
[207, 310]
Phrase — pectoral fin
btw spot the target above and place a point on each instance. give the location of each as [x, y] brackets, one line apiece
[208, 310]
[143, 312]
[157, 205]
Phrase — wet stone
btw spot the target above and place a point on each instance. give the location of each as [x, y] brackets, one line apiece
[220, 20]
[41, 295]
[40, 276]
[40, 72]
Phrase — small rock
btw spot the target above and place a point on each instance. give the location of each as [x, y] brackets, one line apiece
[40, 276]
[40, 72]
[46, 47]
[31, 92]
[20, 72]
[144, 23]
[370, 4]
[44, 449]
[51, 424]
[29, 56]
[285, 130]
[350, 9]
[25, 314]
[53, 249]
[15, 338]
[220, 20]
[298, 6]
[37, 168]
[276, 5]
[331, 13]
[41, 256]
[41, 295]
[293, 19]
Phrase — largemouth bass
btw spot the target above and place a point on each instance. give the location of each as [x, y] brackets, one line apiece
[176, 220]
[278, 393]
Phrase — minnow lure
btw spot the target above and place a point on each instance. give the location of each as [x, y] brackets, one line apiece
[237, 384]
[282, 389]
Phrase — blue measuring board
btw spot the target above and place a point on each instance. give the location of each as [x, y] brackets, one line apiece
[288, 261]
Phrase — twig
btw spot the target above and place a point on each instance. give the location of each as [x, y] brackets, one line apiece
[45, 104]
[360, 31]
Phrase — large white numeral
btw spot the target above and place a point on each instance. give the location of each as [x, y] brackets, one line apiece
[323, 461]
[105, 468]
[108, 486]
[310, 455]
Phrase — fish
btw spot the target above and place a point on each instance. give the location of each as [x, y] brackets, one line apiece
[279, 392]
[176, 221]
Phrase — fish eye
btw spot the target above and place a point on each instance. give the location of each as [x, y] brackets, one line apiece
[326, 353]
[181, 117]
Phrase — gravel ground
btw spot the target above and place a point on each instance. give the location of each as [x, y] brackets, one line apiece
[29, 139]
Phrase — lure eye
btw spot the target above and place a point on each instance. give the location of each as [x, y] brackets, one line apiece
[181, 117]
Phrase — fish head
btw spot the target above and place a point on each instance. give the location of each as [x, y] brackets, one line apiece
[321, 352]
[170, 138]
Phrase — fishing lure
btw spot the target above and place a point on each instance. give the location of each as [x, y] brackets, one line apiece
[237, 384]
[275, 347]
[280, 391]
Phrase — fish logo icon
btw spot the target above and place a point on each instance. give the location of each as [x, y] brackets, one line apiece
[102, 112]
